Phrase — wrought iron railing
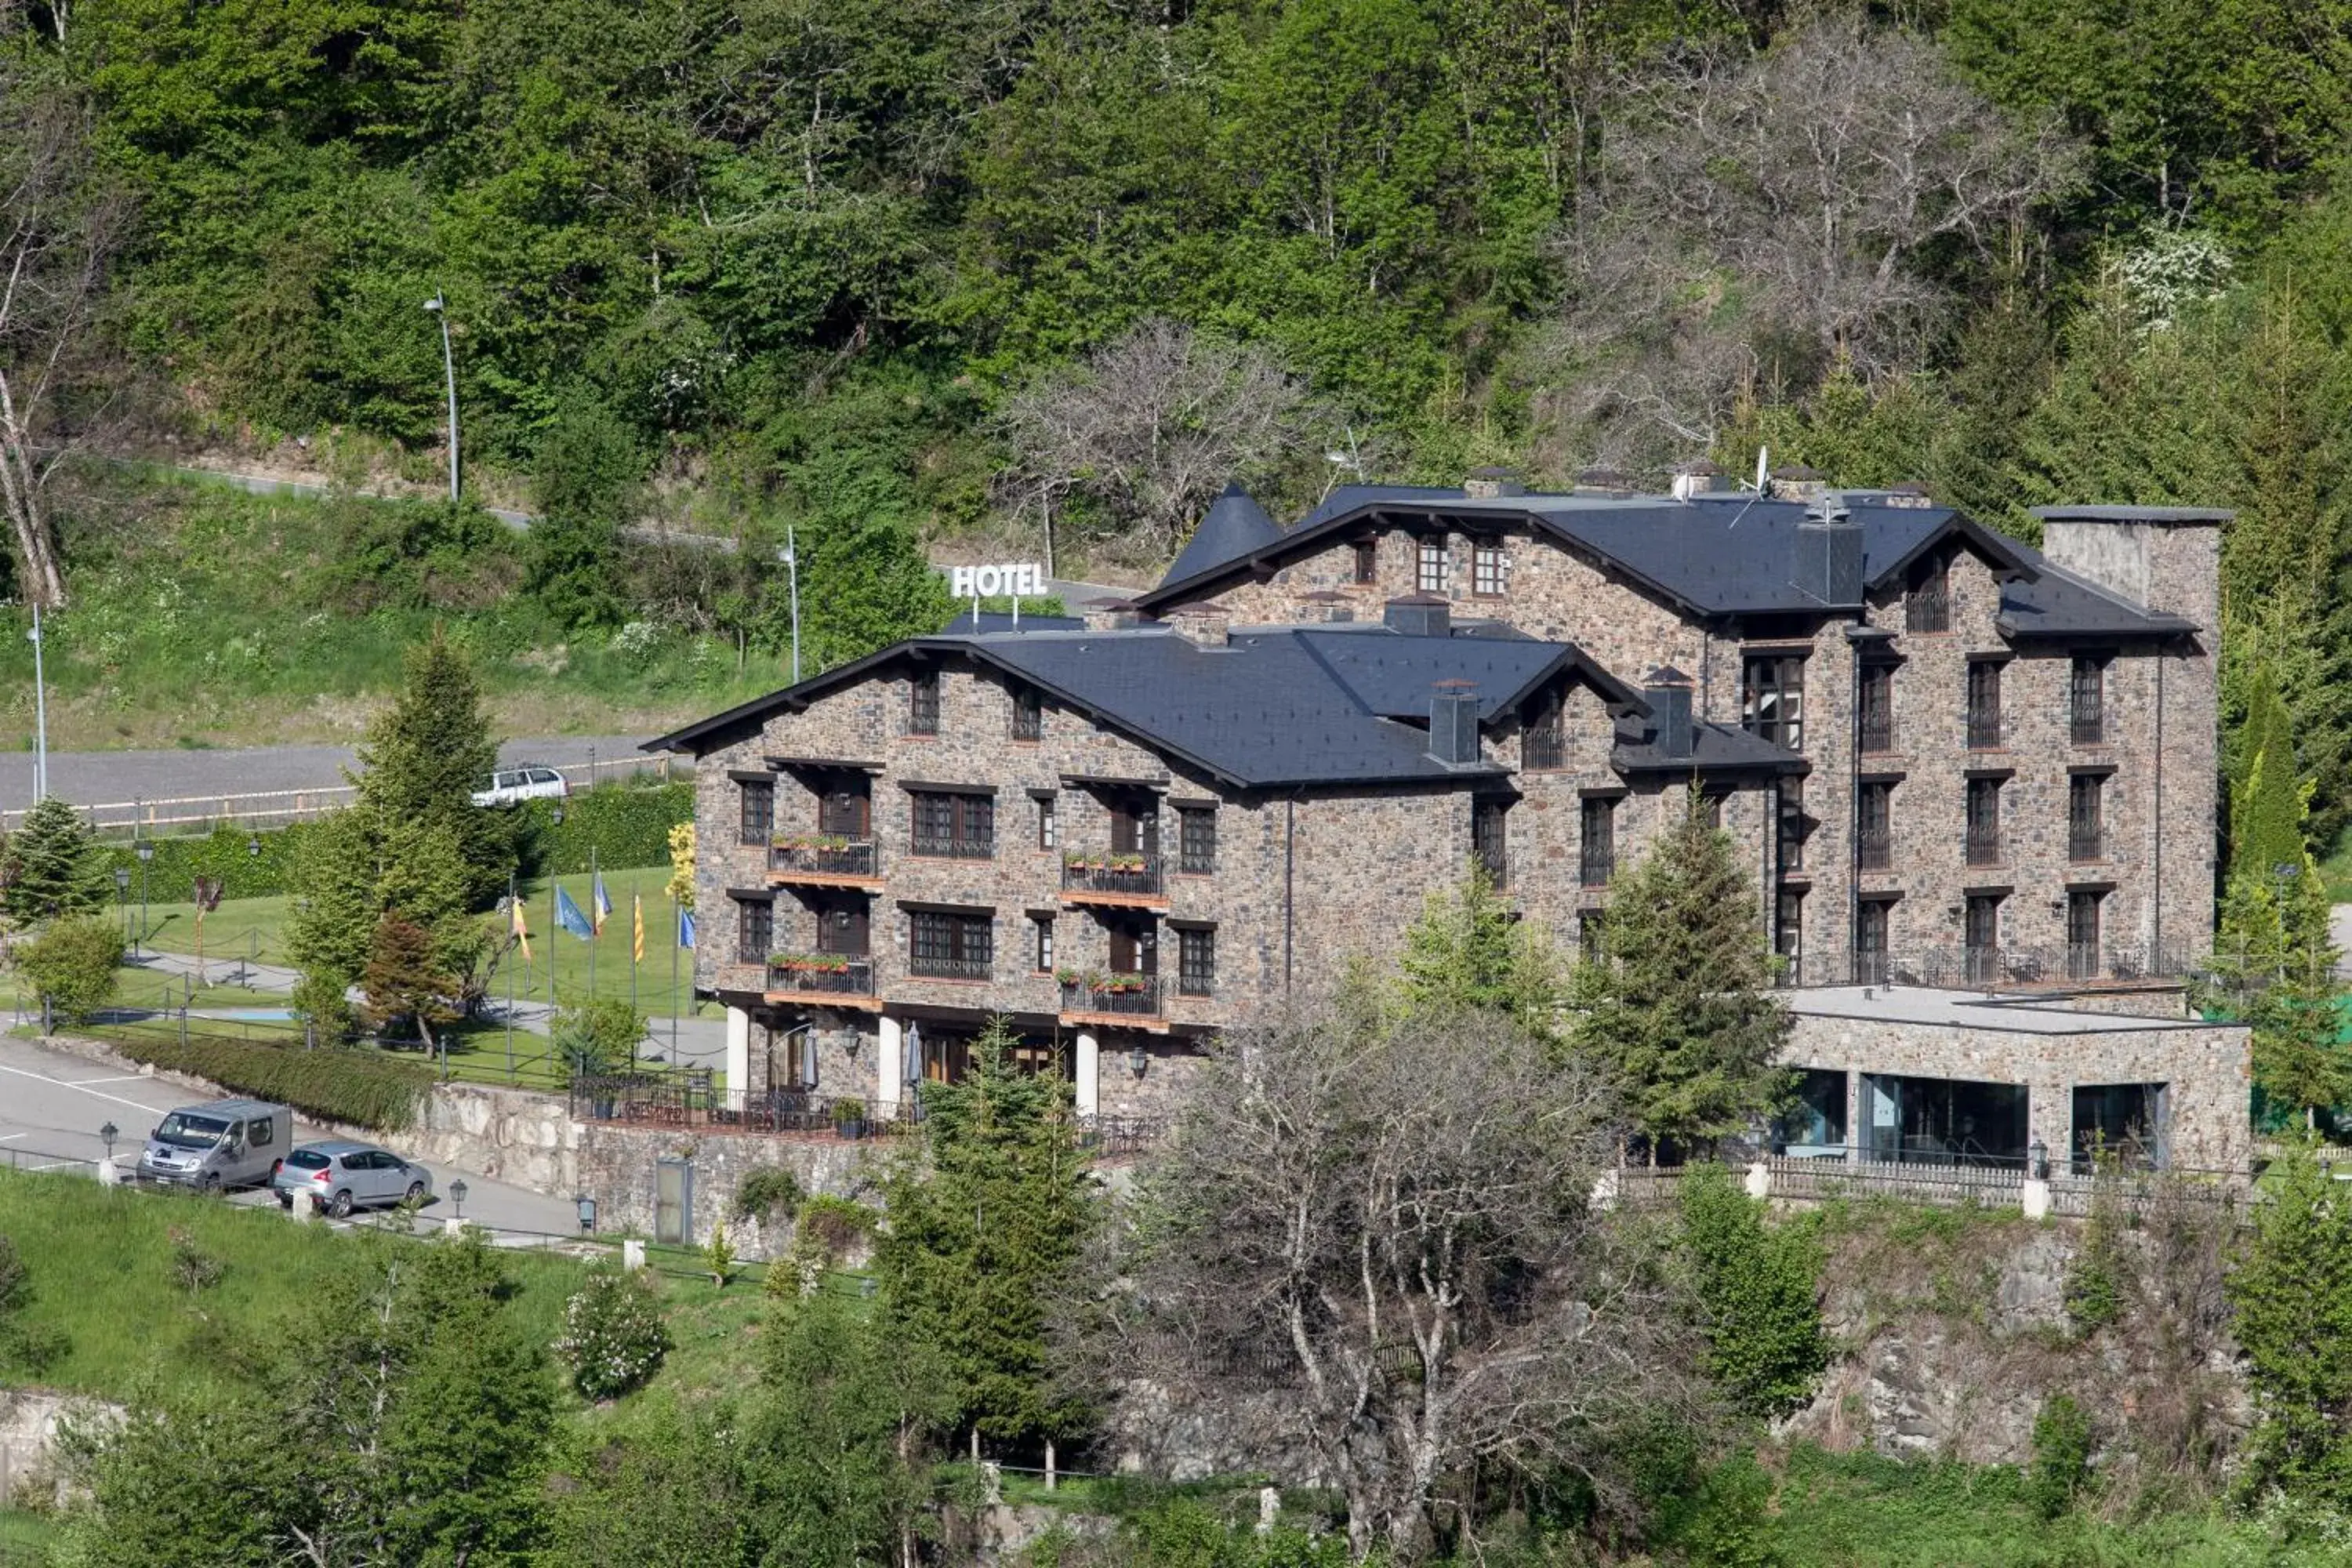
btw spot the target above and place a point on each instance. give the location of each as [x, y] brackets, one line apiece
[2090, 723]
[1878, 733]
[1595, 867]
[965, 848]
[1875, 848]
[821, 975]
[1927, 610]
[1987, 729]
[1984, 845]
[824, 857]
[935, 968]
[1136, 995]
[2085, 844]
[1110, 873]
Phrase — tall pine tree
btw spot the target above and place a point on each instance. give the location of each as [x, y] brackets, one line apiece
[1467, 951]
[1680, 1006]
[986, 1222]
[425, 757]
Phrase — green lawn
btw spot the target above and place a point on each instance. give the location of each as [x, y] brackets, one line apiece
[255, 929]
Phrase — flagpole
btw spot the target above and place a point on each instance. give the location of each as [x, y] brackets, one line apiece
[676, 932]
[595, 919]
[554, 925]
[636, 938]
[514, 909]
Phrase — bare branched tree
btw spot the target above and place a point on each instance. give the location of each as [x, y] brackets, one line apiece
[1152, 426]
[1789, 207]
[1386, 1226]
[60, 222]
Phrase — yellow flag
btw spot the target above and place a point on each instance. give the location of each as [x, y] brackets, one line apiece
[636, 928]
[521, 930]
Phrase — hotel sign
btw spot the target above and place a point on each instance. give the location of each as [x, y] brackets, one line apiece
[1020, 580]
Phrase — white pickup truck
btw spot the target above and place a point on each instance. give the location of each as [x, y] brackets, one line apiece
[512, 787]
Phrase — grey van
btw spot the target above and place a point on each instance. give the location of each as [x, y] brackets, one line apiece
[228, 1143]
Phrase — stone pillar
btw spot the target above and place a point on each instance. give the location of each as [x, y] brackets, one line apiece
[889, 1061]
[2035, 1198]
[738, 1056]
[1760, 1180]
[633, 1254]
[1086, 1073]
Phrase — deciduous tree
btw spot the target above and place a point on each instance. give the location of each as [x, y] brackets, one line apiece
[1370, 1237]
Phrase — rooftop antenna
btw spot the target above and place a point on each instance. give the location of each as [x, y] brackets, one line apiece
[1762, 473]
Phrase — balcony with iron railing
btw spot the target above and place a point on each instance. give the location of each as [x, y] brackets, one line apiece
[1112, 878]
[824, 860]
[2092, 723]
[924, 966]
[840, 978]
[1927, 610]
[2000, 968]
[1091, 997]
[950, 847]
[1875, 849]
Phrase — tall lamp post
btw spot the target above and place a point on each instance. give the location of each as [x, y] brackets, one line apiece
[146, 854]
[440, 307]
[40, 712]
[122, 898]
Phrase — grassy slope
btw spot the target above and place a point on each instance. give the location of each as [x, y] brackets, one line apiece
[205, 617]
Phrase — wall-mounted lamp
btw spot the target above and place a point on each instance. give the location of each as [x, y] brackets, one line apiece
[1138, 1060]
[587, 1213]
[2037, 1160]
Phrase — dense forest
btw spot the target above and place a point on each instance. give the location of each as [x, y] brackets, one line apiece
[892, 270]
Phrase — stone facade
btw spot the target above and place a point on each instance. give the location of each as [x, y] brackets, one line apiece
[2206, 1070]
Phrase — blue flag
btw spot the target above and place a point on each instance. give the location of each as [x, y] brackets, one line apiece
[685, 927]
[568, 916]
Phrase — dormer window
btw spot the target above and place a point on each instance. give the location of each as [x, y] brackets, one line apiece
[1028, 714]
[1544, 743]
[1367, 561]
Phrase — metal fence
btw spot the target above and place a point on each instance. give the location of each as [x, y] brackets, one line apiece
[275, 808]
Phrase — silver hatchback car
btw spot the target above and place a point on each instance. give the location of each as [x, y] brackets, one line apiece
[339, 1176]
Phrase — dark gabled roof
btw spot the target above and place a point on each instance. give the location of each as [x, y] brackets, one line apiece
[1711, 555]
[1346, 498]
[1235, 526]
[1392, 676]
[2057, 603]
[1715, 748]
[1276, 707]
[2187, 514]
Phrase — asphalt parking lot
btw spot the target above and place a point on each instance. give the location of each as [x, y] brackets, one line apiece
[52, 1106]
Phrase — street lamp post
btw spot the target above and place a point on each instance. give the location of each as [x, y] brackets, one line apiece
[146, 854]
[40, 712]
[106, 1135]
[122, 898]
[440, 308]
[791, 558]
[457, 1197]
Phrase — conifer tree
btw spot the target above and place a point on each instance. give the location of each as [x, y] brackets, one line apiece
[1466, 951]
[427, 754]
[985, 1224]
[53, 866]
[1680, 1006]
[404, 983]
[333, 917]
[2290, 1292]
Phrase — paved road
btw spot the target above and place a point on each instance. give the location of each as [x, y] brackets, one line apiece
[101, 778]
[55, 1103]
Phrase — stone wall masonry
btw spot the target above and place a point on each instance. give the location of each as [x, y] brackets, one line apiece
[2208, 1066]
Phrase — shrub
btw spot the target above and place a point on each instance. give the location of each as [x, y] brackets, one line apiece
[31, 1347]
[2062, 1457]
[362, 1087]
[624, 825]
[764, 1190]
[836, 1224]
[1757, 1287]
[598, 1036]
[72, 963]
[614, 1339]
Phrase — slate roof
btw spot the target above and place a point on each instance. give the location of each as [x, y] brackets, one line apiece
[1003, 621]
[1277, 707]
[1235, 526]
[1715, 748]
[2060, 603]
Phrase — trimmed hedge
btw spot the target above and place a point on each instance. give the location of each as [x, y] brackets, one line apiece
[363, 1087]
[626, 824]
[625, 827]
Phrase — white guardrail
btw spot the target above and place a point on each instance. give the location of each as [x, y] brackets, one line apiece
[275, 808]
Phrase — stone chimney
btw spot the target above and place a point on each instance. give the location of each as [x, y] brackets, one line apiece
[1909, 494]
[1419, 615]
[1697, 477]
[1203, 622]
[1669, 693]
[1493, 484]
[1453, 723]
[1797, 484]
[1113, 616]
[2167, 558]
[1828, 553]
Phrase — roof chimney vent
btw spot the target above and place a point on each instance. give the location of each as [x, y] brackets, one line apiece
[1205, 622]
[1669, 691]
[1419, 615]
[1493, 484]
[1829, 552]
[1799, 483]
[1698, 477]
[1453, 723]
[1909, 494]
[1603, 481]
